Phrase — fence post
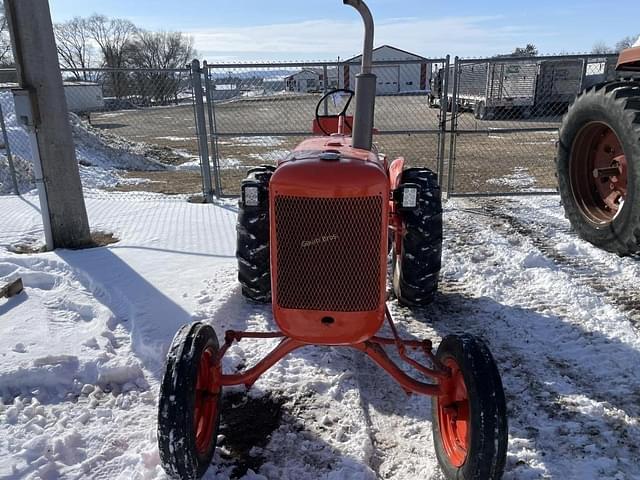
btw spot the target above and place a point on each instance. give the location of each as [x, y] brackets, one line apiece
[583, 75]
[442, 134]
[454, 126]
[7, 147]
[213, 129]
[325, 88]
[201, 127]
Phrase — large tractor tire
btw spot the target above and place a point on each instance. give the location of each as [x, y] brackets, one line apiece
[598, 166]
[470, 430]
[417, 260]
[253, 252]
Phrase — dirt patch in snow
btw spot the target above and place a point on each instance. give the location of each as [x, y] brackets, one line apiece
[175, 182]
[247, 423]
[29, 247]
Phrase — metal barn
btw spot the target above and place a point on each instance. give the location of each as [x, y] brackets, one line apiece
[412, 77]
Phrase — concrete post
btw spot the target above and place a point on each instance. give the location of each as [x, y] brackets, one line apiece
[63, 208]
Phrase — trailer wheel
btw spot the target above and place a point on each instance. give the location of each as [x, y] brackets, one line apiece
[418, 257]
[252, 251]
[189, 406]
[470, 418]
[480, 111]
[598, 166]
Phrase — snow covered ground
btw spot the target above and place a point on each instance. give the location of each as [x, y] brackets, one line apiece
[81, 350]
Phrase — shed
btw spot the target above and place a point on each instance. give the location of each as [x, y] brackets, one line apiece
[312, 80]
[404, 77]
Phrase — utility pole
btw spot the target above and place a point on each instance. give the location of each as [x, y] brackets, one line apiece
[41, 106]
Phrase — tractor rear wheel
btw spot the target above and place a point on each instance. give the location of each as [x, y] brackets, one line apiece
[598, 166]
[470, 417]
[417, 260]
[189, 405]
[252, 252]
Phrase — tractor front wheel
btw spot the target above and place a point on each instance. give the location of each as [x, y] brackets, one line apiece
[470, 418]
[418, 254]
[189, 406]
[598, 166]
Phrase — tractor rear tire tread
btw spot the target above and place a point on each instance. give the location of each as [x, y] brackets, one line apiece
[618, 105]
[252, 250]
[418, 261]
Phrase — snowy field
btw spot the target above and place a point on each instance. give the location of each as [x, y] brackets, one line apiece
[81, 350]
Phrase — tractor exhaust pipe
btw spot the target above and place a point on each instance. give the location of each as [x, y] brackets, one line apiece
[365, 83]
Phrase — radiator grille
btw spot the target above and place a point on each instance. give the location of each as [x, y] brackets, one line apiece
[328, 253]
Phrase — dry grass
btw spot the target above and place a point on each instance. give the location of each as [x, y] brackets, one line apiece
[486, 161]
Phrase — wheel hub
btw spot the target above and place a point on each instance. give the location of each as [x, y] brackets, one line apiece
[454, 415]
[206, 401]
[598, 172]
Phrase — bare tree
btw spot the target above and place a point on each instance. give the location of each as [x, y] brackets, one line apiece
[75, 50]
[529, 51]
[601, 48]
[114, 37]
[626, 42]
[6, 54]
[161, 51]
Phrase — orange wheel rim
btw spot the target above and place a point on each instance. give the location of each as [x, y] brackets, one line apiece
[206, 402]
[454, 415]
[598, 172]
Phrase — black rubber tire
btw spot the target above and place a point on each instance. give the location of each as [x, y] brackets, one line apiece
[488, 436]
[618, 105]
[252, 249]
[479, 111]
[176, 433]
[416, 269]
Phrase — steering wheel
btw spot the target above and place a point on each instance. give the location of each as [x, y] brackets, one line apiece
[343, 113]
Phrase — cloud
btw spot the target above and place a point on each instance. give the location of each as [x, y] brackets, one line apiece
[326, 39]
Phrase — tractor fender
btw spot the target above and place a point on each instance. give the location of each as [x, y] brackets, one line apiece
[395, 172]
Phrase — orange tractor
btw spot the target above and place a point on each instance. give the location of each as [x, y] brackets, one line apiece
[598, 160]
[314, 237]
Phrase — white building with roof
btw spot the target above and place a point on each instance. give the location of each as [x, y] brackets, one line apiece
[393, 78]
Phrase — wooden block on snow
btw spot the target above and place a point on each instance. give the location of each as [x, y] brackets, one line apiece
[11, 289]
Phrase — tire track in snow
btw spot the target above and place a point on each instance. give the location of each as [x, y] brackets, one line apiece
[625, 297]
[552, 385]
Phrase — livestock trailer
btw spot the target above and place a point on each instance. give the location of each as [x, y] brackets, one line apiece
[83, 96]
[488, 87]
[558, 83]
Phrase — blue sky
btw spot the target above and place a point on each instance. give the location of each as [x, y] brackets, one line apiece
[226, 30]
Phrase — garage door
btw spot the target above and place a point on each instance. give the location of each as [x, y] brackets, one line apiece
[388, 79]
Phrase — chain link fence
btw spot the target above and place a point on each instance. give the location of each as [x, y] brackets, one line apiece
[259, 112]
[505, 117]
[133, 129]
[488, 126]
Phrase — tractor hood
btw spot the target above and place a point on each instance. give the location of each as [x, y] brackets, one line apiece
[330, 167]
[630, 58]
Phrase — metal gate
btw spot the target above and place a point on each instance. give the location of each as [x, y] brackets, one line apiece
[258, 113]
[505, 117]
